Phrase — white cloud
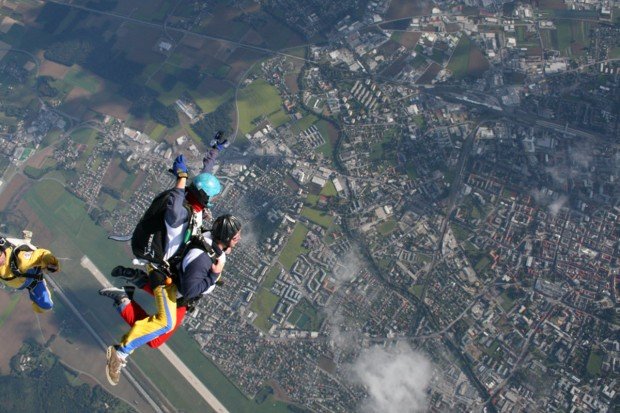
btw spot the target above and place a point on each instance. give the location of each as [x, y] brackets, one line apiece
[347, 267]
[396, 379]
[557, 204]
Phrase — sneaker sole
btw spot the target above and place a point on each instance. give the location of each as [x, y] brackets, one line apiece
[108, 354]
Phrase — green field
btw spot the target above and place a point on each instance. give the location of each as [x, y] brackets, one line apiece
[306, 317]
[304, 123]
[386, 227]
[270, 277]
[571, 36]
[327, 149]
[614, 53]
[263, 305]
[595, 363]
[210, 101]
[318, 217]
[459, 61]
[293, 248]
[259, 99]
[329, 189]
[168, 97]
[78, 77]
[506, 302]
[84, 135]
[158, 133]
[312, 199]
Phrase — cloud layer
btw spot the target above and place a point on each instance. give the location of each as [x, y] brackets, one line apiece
[396, 379]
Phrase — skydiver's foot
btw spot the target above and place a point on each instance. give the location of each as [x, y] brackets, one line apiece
[121, 296]
[115, 363]
[133, 275]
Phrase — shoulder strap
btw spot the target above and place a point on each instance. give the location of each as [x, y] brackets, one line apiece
[14, 266]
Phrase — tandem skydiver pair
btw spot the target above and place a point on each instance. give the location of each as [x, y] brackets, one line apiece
[183, 259]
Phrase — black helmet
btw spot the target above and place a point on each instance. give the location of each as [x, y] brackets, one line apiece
[225, 227]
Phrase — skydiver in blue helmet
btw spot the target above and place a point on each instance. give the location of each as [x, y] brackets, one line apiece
[186, 207]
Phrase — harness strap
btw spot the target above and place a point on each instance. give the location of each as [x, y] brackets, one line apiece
[15, 272]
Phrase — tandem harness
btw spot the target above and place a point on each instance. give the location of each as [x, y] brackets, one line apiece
[170, 269]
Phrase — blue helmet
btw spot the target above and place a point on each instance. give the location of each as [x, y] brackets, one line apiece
[203, 187]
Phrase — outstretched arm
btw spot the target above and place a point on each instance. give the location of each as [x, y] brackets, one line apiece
[209, 160]
[218, 144]
[38, 258]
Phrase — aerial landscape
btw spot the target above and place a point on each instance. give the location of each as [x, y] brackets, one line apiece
[429, 193]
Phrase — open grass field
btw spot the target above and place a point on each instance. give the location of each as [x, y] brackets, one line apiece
[109, 103]
[614, 53]
[467, 60]
[318, 217]
[64, 214]
[257, 99]
[79, 77]
[330, 134]
[270, 277]
[155, 11]
[76, 102]
[595, 363]
[293, 248]
[329, 189]
[306, 317]
[385, 228]
[571, 36]
[460, 58]
[223, 22]
[263, 305]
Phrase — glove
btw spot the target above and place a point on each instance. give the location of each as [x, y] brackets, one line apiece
[179, 169]
[156, 279]
[50, 263]
[52, 267]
